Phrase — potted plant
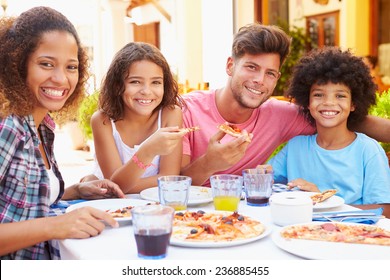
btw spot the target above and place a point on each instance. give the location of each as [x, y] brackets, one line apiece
[299, 43]
[87, 107]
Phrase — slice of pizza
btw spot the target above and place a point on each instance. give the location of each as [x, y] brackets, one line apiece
[320, 197]
[124, 212]
[233, 130]
[190, 129]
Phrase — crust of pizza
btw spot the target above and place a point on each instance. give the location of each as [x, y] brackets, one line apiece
[320, 197]
[232, 130]
[214, 227]
[339, 232]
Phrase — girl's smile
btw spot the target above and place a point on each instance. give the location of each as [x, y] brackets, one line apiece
[144, 87]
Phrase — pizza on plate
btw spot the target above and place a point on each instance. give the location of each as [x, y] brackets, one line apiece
[338, 232]
[214, 227]
[233, 130]
[124, 212]
[320, 197]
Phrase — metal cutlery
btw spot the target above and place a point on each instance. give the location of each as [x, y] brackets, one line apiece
[362, 217]
[341, 215]
[345, 218]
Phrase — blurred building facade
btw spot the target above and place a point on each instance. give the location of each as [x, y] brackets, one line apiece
[195, 35]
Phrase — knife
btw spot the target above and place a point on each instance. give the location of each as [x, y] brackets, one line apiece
[340, 215]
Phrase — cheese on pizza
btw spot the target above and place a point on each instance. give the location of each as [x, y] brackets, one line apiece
[320, 197]
[218, 226]
[338, 232]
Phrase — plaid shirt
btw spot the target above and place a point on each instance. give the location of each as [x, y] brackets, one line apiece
[24, 181]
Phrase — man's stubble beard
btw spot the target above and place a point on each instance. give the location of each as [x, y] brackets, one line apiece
[240, 100]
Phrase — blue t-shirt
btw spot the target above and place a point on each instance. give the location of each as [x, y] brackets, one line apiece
[360, 172]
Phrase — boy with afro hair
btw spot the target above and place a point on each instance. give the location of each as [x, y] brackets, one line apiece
[334, 90]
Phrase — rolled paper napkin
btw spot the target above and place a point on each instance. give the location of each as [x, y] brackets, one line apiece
[369, 216]
[277, 188]
[60, 207]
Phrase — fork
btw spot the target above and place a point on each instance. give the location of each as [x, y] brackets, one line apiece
[363, 217]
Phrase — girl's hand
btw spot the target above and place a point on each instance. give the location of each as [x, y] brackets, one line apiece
[80, 223]
[164, 140]
[302, 185]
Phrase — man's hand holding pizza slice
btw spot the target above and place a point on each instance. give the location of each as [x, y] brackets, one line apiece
[220, 155]
[235, 131]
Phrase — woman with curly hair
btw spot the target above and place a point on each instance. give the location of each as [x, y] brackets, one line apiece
[137, 131]
[334, 90]
[43, 71]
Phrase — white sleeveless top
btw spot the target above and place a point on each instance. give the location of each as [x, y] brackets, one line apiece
[54, 186]
[126, 153]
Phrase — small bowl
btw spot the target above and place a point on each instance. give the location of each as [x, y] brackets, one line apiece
[289, 208]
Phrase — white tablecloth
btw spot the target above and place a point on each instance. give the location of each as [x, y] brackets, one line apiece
[119, 243]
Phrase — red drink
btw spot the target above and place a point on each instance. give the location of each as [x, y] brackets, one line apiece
[257, 200]
[153, 245]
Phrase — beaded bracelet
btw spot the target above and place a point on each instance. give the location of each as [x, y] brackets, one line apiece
[140, 164]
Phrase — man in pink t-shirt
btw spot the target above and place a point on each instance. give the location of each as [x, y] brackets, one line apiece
[258, 52]
[273, 123]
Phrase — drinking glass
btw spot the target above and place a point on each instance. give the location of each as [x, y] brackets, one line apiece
[152, 226]
[258, 186]
[226, 190]
[174, 191]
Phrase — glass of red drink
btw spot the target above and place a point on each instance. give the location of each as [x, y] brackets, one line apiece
[258, 186]
[152, 225]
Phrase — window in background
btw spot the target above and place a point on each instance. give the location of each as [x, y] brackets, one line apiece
[323, 30]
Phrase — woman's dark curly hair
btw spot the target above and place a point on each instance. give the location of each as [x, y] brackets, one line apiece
[19, 38]
[113, 86]
[331, 64]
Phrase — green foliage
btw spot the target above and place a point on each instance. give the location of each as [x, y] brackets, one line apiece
[86, 109]
[300, 41]
[277, 150]
[382, 109]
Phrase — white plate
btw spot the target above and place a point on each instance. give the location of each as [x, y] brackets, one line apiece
[109, 204]
[332, 202]
[217, 244]
[323, 250]
[198, 195]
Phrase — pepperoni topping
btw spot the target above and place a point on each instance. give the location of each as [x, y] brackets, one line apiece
[329, 227]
